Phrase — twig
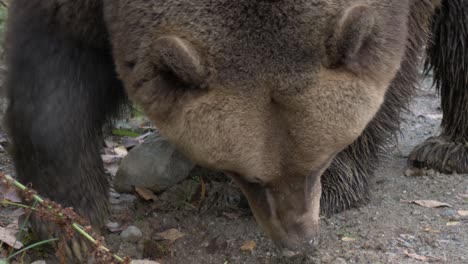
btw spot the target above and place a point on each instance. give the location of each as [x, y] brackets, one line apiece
[75, 226]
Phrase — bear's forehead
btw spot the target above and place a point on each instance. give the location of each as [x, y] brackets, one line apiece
[245, 38]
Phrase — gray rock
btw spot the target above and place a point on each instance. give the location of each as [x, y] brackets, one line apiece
[39, 262]
[155, 164]
[132, 233]
[451, 215]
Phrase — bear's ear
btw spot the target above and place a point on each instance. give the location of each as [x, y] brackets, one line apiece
[180, 58]
[348, 42]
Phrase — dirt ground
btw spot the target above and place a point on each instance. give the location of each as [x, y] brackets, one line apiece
[389, 229]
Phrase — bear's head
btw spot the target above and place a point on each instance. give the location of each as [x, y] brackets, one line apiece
[266, 91]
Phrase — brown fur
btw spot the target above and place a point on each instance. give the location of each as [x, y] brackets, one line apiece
[290, 85]
[294, 99]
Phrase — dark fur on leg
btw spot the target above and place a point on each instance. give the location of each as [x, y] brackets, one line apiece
[448, 59]
[443, 155]
[62, 88]
[345, 183]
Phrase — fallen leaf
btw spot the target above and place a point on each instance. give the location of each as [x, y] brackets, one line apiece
[463, 213]
[171, 235]
[17, 213]
[110, 144]
[453, 223]
[107, 158]
[430, 203]
[348, 239]
[146, 194]
[431, 230]
[144, 262]
[7, 236]
[121, 151]
[12, 195]
[123, 132]
[248, 245]
[416, 256]
[111, 168]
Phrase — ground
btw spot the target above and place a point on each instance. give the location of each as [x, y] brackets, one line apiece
[390, 229]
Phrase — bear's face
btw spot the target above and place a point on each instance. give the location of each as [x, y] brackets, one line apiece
[266, 91]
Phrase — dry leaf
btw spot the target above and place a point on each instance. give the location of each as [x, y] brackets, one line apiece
[111, 168]
[248, 245]
[431, 230]
[107, 158]
[144, 262]
[17, 213]
[12, 195]
[453, 223]
[121, 151]
[463, 213]
[7, 236]
[430, 203]
[146, 194]
[348, 239]
[171, 235]
[416, 256]
[110, 144]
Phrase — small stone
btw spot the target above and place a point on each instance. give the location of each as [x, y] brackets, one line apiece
[416, 212]
[132, 233]
[406, 244]
[340, 261]
[451, 215]
[39, 262]
[113, 224]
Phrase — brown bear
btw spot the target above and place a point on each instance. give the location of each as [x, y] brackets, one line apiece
[293, 99]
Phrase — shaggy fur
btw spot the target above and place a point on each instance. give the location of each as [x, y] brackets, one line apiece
[62, 87]
[345, 182]
[268, 91]
[448, 152]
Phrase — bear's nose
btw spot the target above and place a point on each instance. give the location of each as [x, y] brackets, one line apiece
[306, 246]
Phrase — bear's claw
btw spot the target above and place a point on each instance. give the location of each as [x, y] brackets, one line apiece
[441, 155]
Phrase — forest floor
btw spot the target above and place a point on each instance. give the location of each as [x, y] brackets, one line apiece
[390, 229]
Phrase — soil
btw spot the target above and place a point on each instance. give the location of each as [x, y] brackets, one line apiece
[389, 229]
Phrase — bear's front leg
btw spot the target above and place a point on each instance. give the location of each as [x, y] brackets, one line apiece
[447, 58]
[62, 87]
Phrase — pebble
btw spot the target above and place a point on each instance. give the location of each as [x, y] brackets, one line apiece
[340, 261]
[39, 262]
[416, 212]
[451, 215]
[132, 233]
